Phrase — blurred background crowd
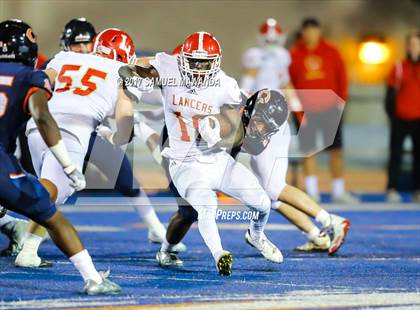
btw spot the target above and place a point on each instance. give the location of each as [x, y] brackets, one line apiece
[370, 49]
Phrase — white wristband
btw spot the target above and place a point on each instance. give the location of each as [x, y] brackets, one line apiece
[60, 153]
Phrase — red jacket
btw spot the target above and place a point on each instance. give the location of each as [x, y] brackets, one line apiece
[316, 70]
[405, 78]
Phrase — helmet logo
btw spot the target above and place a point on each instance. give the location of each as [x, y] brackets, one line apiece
[123, 45]
[3, 47]
[30, 35]
[264, 95]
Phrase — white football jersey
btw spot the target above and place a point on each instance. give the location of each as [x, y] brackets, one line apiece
[183, 106]
[85, 92]
[272, 64]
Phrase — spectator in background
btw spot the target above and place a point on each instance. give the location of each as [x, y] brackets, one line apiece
[402, 105]
[317, 64]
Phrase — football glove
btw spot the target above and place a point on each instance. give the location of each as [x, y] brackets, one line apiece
[210, 134]
[77, 179]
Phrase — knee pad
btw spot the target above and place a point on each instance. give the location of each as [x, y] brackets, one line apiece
[203, 201]
[264, 206]
[274, 190]
[275, 204]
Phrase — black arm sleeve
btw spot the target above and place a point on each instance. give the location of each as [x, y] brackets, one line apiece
[390, 101]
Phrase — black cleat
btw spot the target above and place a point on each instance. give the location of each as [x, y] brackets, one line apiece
[224, 264]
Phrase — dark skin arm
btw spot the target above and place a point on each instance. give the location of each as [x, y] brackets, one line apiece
[237, 133]
[38, 107]
[146, 71]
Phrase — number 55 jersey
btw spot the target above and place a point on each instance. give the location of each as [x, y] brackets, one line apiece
[85, 92]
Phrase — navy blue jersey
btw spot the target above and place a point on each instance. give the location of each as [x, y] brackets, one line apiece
[45, 64]
[17, 83]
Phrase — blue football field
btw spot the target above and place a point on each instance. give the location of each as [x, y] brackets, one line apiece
[378, 266]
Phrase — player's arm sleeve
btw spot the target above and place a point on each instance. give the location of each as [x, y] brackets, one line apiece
[250, 64]
[56, 62]
[160, 64]
[251, 59]
[37, 80]
[342, 81]
[233, 94]
[293, 67]
[286, 65]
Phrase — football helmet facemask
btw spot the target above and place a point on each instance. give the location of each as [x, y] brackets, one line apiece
[200, 57]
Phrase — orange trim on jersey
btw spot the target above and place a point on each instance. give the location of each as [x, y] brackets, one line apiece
[5, 104]
[29, 93]
[8, 83]
[16, 175]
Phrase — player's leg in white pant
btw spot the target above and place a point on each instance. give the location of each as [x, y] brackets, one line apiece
[242, 184]
[194, 181]
[271, 167]
[49, 169]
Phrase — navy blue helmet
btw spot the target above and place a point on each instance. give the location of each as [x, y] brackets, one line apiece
[18, 43]
[78, 30]
[268, 107]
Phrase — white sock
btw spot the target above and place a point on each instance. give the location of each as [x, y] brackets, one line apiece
[311, 185]
[31, 244]
[256, 227]
[210, 234]
[313, 233]
[338, 187]
[324, 218]
[6, 220]
[144, 209]
[83, 263]
[166, 246]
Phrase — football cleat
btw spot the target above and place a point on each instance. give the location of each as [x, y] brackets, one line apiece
[266, 247]
[156, 238]
[320, 244]
[30, 260]
[16, 232]
[107, 287]
[168, 259]
[337, 232]
[224, 264]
